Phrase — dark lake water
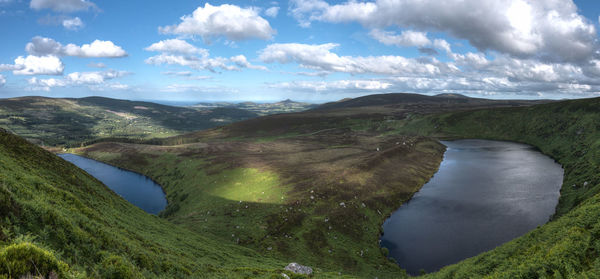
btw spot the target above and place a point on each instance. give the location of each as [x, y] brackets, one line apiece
[484, 194]
[139, 190]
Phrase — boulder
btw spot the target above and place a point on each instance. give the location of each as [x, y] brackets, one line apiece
[299, 269]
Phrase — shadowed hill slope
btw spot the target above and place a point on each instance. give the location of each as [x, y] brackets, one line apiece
[453, 101]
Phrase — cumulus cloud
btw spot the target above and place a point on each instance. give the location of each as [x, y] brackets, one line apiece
[201, 61]
[38, 65]
[474, 73]
[10, 67]
[47, 84]
[44, 46]
[547, 30]
[2, 80]
[194, 62]
[66, 6]
[93, 80]
[96, 49]
[93, 77]
[176, 46]
[272, 12]
[73, 23]
[231, 21]
[406, 38]
[41, 46]
[242, 62]
[345, 85]
[320, 58]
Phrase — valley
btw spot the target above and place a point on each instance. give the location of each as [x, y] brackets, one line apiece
[314, 187]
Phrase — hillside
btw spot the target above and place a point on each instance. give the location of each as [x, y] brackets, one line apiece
[407, 100]
[60, 122]
[55, 217]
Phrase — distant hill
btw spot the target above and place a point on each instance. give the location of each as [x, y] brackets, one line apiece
[399, 99]
[285, 106]
[68, 121]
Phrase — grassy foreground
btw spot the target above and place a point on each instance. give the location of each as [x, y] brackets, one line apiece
[55, 218]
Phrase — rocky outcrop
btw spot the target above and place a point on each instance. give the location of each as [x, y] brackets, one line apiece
[299, 269]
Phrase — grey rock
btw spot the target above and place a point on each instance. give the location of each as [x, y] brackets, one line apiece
[299, 269]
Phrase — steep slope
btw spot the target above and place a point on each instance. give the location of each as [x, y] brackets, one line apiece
[57, 218]
[50, 121]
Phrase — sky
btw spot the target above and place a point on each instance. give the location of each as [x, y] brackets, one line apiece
[306, 50]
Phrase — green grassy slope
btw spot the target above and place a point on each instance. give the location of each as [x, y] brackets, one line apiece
[569, 131]
[49, 121]
[79, 228]
[318, 199]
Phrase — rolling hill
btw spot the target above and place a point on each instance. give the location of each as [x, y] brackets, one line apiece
[312, 187]
[65, 122]
[439, 102]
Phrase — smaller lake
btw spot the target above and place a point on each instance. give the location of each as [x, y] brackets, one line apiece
[137, 189]
[485, 193]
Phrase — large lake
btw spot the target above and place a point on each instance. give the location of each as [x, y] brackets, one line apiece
[484, 194]
[139, 190]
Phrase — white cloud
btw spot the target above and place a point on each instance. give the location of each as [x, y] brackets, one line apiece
[9, 67]
[241, 61]
[194, 62]
[93, 80]
[2, 80]
[406, 38]
[473, 73]
[40, 46]
[547, 30]
[176, 46]
[93, 77]
[346, 85]
[181, 73]
[45, 84]
[203, 62]
[73, 23]
[109, 87]
[38, 65]
[233, 22]
[320, 58]
[96, 49]
[272, 12]
[442, 44]
[66, 6]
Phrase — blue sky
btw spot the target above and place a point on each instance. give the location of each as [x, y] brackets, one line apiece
[312, 50]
